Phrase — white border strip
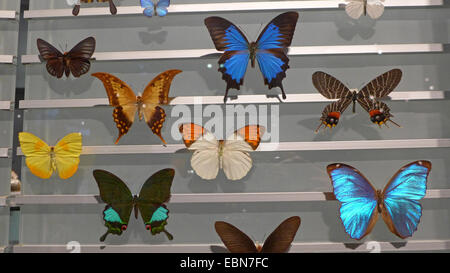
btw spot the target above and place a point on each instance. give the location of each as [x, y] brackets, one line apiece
[7, 59]
[8, 14]
[4, 152]
[273, 147]
[293, 51]
[241, 99]
[5, 105]
[411, 245]
[221, 7]
[190, 198]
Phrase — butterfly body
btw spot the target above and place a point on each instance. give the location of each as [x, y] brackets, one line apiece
[269, 50]
[232, 154]
[147, 105]
[368, 97]
[398, 203]
[43, 160]
[120, 202]
[279, 241]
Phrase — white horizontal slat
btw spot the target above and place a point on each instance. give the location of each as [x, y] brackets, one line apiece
[220, 7]
[273, 147]
[293, 51]
[189, 198]
[6, 59]
[8, 14]
[240, 99]
[3, 201]
[307, 247]
[5, 105]
[4, 152]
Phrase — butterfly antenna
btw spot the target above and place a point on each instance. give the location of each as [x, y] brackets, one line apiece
[318, 128]
[169, 236]
[394, 123]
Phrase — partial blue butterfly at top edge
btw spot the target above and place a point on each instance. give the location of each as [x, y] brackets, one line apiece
[398, 202]
[269, 50]
[159, 9]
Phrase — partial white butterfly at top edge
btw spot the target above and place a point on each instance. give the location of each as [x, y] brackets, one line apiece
[159, 9]
[231, 155]
[357, 8]
[73, 2]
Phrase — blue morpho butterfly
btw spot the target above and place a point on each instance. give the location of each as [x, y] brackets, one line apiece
[398, 203]
[120, 202]
[151, 9]
[270, 50]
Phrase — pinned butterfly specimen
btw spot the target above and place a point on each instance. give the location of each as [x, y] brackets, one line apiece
[231, 155]
[279, 241]
[380, 87]
[42, 159]
[76, 3]
[269, 49]
[120, 202]
[75, 61]
[151, 9]
[126, 103]
[373, 8]
[398, 203]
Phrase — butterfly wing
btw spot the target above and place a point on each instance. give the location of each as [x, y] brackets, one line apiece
[233, 63]
[37, 154]
[156, 93]
[55, 59]
[155, 192]
[119, 200]
[67, 155]
[375, 8]
[161, 7]
[251, 134]
[279, 241]
[358, 199]
[355, 8]
[380, 87]
[235, 240]
[78, 57]
[122, 98]
[401, 209]
[149, 7]
[272, 46]
[205, 161]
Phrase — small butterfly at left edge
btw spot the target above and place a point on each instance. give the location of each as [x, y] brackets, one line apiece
[270, 50]
[76, 5]
[120, 202]
[76, 61]
[147, 105]
[279, 241]
[150, 9]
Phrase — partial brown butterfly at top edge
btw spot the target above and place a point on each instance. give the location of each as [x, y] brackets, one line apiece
[75, 61]
[279, 241]
[112, 7]
[147, 105]
[368, 97]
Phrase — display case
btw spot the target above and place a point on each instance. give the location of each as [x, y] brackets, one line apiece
[289, 175]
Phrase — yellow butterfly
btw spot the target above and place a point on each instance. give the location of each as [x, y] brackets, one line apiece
[42, 159]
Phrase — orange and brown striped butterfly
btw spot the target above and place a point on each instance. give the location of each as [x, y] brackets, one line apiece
[231, 155]
[279, 241]
[112, 7]
[367, 97]
[126, 103]
[75, 61]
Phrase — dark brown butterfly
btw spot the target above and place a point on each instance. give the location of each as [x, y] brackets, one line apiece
[112, 7]
[75, 61]
[380, 87]
[279, 241]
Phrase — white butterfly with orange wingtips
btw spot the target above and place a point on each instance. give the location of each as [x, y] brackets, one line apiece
[373, 8]
[231, 155]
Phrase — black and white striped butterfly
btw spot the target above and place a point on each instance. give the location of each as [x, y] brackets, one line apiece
[367, 97]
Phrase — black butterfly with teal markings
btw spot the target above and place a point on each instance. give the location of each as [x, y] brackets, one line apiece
[150, 202]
